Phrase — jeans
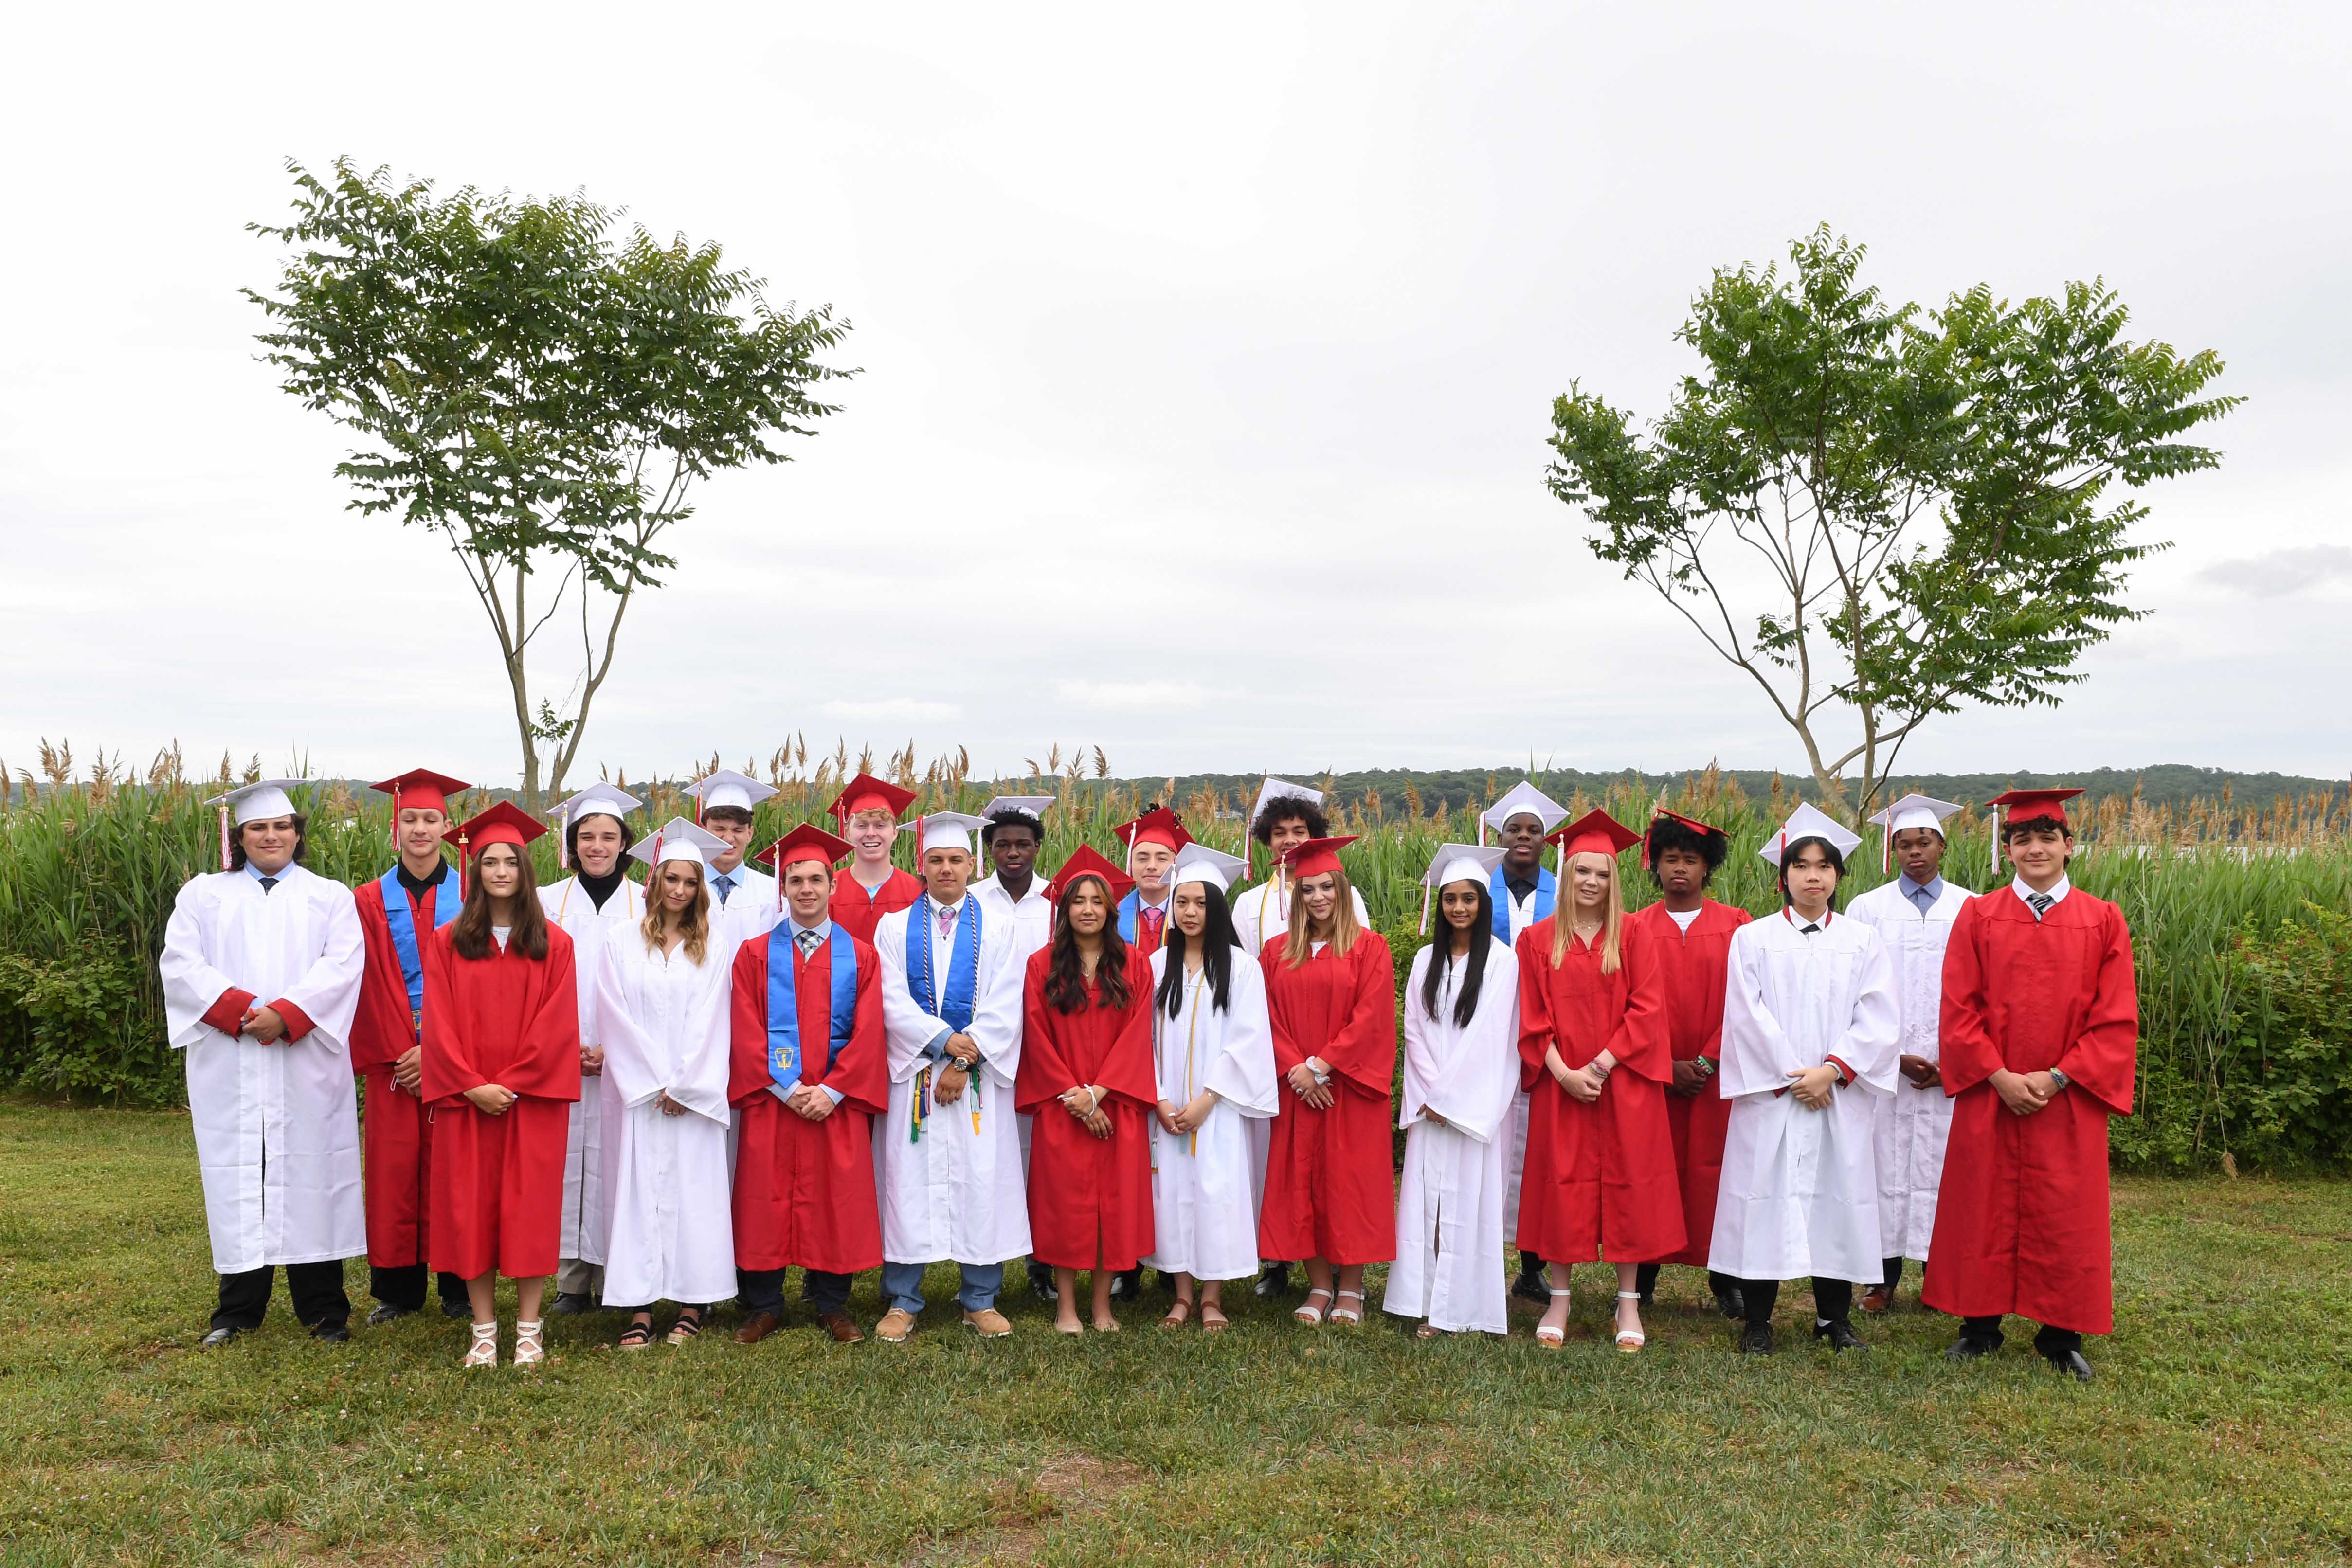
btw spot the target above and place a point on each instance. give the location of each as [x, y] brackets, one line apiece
[902, 1286]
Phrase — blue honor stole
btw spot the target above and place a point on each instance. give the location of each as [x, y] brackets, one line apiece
[955, 1008]
[403, 921]
[1131, 912]
[785, 1062]
[1499, 890]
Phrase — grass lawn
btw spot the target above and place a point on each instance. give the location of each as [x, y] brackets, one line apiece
[2216, 1433]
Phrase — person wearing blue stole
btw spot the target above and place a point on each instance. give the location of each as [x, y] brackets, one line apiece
[421, 893]
[949, 1166]
[810, 1073]
[1523, 894]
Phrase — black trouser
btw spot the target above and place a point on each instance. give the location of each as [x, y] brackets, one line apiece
[2051, 1341]
[1894, 1273]
[1645, 1279]
[1531, 1264]
[763, 1290]
[317, 1289]
[1833, 1299]
[405, 1287]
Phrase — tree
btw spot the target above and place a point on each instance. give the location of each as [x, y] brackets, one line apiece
[1880, 513]
[543, 399]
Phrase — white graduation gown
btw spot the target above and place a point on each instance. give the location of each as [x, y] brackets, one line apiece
[665, 1028]
[955, 1193]
[1913, 1125]
[1032, 922]
[278, 1132]
[1522, 914]
[1260, 914]
[749, 910]
[1449, 1265]
[568, 907]
[1203, 1205]
[1800, 1192]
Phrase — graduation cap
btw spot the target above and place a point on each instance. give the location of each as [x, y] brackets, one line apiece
[806, 843]
[727, 788]
[942, 830]
[1660, 814]
[1911, 812]
[1158, 826]
[1027, 811]
[422, 790]
[678, 839]
[259, 801]
[1085, 862]
[867, 793]
[1316, 856]
[1268, 792]
[2023, 806]
[1594, 833]
[1521, 799]
[1457, 863]
[1199, 862]
[503, 824]
[1809, 821]
[599, 799]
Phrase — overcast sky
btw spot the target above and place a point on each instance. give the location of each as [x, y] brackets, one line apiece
[1206, 360]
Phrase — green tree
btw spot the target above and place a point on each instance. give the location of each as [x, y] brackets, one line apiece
[543, 398]
[1881, 513]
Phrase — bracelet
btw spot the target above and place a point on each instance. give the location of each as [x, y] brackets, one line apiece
[1705, 1066]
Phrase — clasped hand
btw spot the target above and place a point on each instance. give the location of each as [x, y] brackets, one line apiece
[1582, 1085]
[1922, 1073]
[263, 1024]
[491, 1099]
[2024, 1093]
[1813, 1087]
[1084, 1103]
[1313, 1095]
[809, 1103]
[1178, 1123]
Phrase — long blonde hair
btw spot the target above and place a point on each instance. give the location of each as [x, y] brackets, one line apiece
[1563, 916]
[1300, 943]
[695, 924]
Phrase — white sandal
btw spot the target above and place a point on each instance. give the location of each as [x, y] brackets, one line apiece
[1551, 1338]
[528, 1351]
[1340, 1314]
[1307, 1312]
[1630, 1340]
[484, 1351]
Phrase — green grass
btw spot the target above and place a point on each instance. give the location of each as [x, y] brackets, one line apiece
[2217, 1432]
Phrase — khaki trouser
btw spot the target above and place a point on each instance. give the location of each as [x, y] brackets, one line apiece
[575, 1278]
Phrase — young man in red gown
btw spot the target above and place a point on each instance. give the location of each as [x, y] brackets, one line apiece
[867, 810]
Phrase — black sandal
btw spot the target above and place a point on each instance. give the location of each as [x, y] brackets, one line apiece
[688, 1324]
[637, 1336]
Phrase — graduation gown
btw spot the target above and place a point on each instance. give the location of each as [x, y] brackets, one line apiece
[949, 1188]
[276, 1127]
[497, 1181]
[750, 909]
[1261, 914]
[1599, 1179]
[1691, 967]
[664, 1021]
[1912, 1124]
[805, 1190]
[861, 911]
[398, 1131]
[1031, 920]
[586, 1222]
[1513, 916]
[1089, 1197]
[1449, 1243]
[2021, 1222]
[1801, 1187]
[1330, 1193]
[1203, 1200]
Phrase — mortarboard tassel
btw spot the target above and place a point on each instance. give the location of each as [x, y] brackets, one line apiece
[1425, 908]
[563, 844]
[224, 835]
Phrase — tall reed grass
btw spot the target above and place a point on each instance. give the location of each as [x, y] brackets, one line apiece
[2237, 912]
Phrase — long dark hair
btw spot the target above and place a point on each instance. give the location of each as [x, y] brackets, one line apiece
[1065, 982]
[1829, 849]
[1216, 952]
[469, 933]
[301, 843]
[1474, 970]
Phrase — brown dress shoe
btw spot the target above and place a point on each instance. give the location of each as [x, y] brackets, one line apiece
[758, 1326]
[841, 1328]
[988, 1323]
[1877, 1299]
[896, 1325]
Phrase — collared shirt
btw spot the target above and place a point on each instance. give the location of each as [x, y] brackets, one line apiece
[932, 931]
[724, 882]
[1521, 888]
[2050, 900]
[268, 879]
[1924, 898]
[799, 931]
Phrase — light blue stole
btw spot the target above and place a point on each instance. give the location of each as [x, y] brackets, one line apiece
[1547, 889]
[403, 921]
[784, 1063]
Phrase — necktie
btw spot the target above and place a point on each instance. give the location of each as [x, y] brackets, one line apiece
[267, 884]
[807, 941]
[2039, 902]
[725, 883]
[1812, 929]
[1152, 919]
[1923, 898]
[946, 924]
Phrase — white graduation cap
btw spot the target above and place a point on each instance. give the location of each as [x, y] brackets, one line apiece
[943, 830]
[728, 788]
[1522, 799]
[1199, 862]
[678, 839]
[1033, 806]
[255, 802]
[1911, 812]
[1809, 821]
[1457, 863]
[598, 799]
[1270, 791]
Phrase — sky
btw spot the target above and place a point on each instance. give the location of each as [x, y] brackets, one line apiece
[1205, 359]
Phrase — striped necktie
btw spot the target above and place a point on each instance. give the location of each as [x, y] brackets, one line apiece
[2039, 903]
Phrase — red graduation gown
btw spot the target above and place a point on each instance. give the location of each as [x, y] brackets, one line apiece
[859, 912]
[1330, 1185]
[1691, 968]
[2022, 1221]
[1599, 1179]
[1087, 1192]
[397, 1126]
[497, 1181]
[804, 1189]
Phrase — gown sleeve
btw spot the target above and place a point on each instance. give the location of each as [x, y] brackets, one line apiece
[1753, 1042]
[380, 1034]
[998, 1010]
[547, 1059]
[1419, 1067]
[1639, 1042]
[327, 990]
[1966, 1055]
[1477, 1083]
[633, 1059]
[1288, 1052]
[862, 1073]
[1363, 1054]
[747, 1026]
[908, 1029]
[701, 1081]
[1870, 1045]
[196, 997]
[446, 1061]
[1045, 1075]
[1535, 1002]
[1243, 1073]
[1126, 1071]
[1713, 1049]
[2103, 1060]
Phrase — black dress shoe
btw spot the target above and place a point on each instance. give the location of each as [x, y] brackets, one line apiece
[1839, 1335]
[1728, 1302]
[567, 1304]
[1533, 1288]
[218, 1338]
[386, 1313]
[1275, 1281]
[457, 1307]
[1127, 1285]
[2072, 1364]
[1967, 1347]
[1755, 1339]
[334, 1330]
[1041, 1283]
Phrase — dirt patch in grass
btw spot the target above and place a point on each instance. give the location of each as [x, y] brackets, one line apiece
[1070, 1487]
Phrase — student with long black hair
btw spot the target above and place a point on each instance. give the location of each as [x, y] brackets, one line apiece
[1213, 1048]
[1461, 1074]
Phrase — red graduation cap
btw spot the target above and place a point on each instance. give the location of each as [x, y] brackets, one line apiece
[503, 824]
[420, 787]
[867, 793]
[1595, 833]
[1313, 857]
[1158, 826]
[2026, 804]
[806, 843]
[1085, 862]
[1660, 814]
